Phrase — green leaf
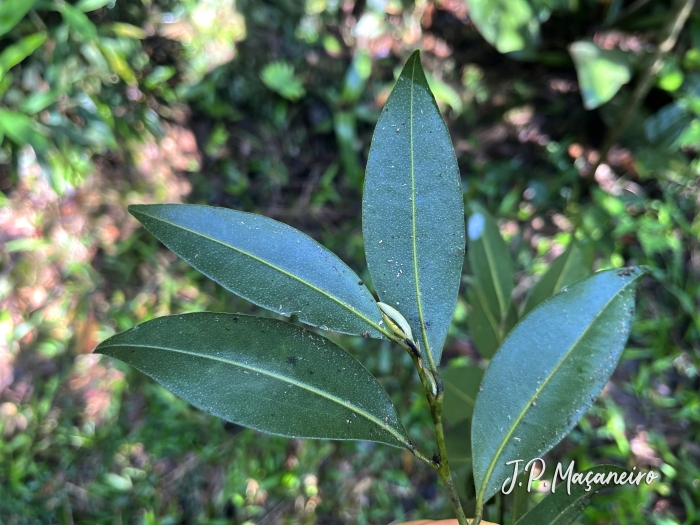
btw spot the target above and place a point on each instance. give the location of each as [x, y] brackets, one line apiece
[461, 386]
[91, 5]
[280, 78]
[508, 25]
[459, 454]
[484, 327]
[267, 262]
[566, 269]
[671, 77]
[668, 124]
[520, 497]
[601, 72]
[117, 61]
[490, 261]
[22, 130]
[38, 101]
[80, 24]
[412, 211]
[127, 30]
[445, 94]
[269, 375]
[356, 77]
[14, 54]
[562, 508]
[12, 11]
[547, 373]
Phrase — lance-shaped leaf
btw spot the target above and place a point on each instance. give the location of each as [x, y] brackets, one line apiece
[566, 269]
[266, 374]
[267, 262]
[564, 505]
[490, 261]
[412, 211]
[461, 386]
[548, 371]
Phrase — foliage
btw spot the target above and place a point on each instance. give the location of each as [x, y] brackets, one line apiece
[77, 432]
[252, 371]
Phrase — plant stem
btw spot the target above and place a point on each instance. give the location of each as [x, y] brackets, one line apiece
[681, 11]
[435, 393]
[444, 466]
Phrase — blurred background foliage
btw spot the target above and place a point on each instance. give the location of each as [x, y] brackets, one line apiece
[268, 107]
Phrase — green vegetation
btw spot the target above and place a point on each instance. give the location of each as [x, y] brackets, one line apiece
[269, 107]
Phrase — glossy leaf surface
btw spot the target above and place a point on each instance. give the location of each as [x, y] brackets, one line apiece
[566, 269]
[412, 211]
[461, 386]
[266, 374]
[548, 371]
[601, 72]
[562, 508]
[267, 262]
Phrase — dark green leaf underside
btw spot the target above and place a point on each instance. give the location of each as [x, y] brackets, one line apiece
[265, 374]
[267, 262]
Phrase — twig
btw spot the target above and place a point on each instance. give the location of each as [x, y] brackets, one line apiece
[435, 397]
[671, 32]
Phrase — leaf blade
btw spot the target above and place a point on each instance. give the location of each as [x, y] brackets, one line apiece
[566, 369]
[461, 386]
[509, 25]
[601, 72]
[412, 211]
[287, 271]
[14, 54]
[12, 12]
[561, 508]
[269, 375]
[566, 269]
[484, 328]
[490, 260]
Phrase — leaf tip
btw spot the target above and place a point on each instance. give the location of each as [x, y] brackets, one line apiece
[135, 208]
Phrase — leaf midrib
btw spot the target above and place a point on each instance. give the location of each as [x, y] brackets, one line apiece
[279, 377]
[274, 267]
[488, 313]
[518, 419]
[414, 235]
[500, 294]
